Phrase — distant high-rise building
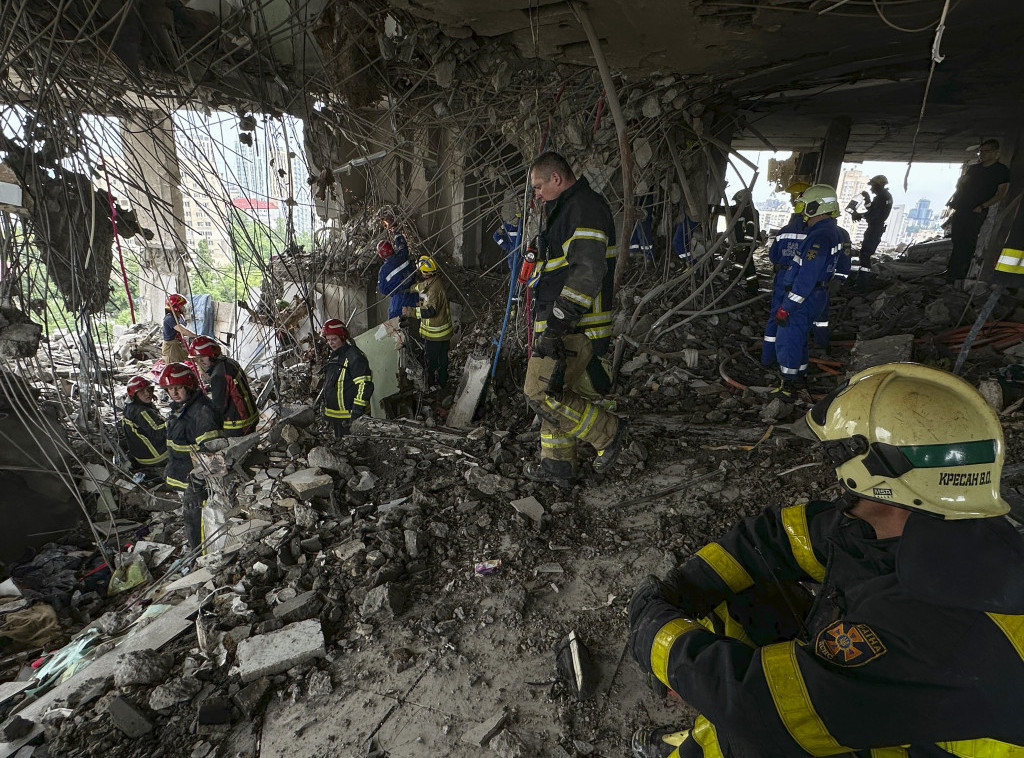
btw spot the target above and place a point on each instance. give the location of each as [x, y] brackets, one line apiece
[921, 213]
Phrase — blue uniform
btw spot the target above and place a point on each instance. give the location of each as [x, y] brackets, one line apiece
[395, 278]
[844, 259]
[806, 292]
[784, 248]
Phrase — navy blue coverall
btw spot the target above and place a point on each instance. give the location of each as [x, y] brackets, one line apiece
[395, 277]
[786, 245]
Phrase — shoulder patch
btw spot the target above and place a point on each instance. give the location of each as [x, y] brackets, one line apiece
[811, 254]
[846, 644]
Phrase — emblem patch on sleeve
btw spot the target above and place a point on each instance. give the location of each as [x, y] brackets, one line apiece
[811, 254]
[848, 644]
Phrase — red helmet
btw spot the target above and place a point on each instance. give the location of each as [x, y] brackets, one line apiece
[336, 327]
[178, 375]
[175, 303]
[137, 383]
[385, 249]
[207, 346]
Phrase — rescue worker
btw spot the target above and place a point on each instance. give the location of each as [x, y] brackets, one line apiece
[806, 284]
[395, 277]
[229, 387]
[572, 323]
[142, 429]
[982, 185]
[781, 253]
[435, 317]
[913, 643]
[348, 381]
[878, 208]
[174, 348]
[193, 423]
[843, 265]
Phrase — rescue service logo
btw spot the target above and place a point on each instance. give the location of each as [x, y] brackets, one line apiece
[849, 644]
[965, 480]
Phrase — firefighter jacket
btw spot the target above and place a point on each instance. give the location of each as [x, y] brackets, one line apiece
[1011, 257]
[232, 398]
[348, 383]
[879, 208]
[913, 646]
[395, 278]
[143, 433]
[190, 425]
[433, 311]
[814, 264]
[576, 264]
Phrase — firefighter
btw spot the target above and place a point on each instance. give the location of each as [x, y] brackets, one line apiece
[193, 423]
[348, 381]
[174, 349]
[142, 430]
[395, 276]
[806, 284]
[572, 323]
[913, 642]
[879, 205]
[229, 387]
[783, 248]
[435, 318]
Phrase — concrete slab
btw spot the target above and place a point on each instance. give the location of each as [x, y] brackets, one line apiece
[382, 352]
[868, 353]
[471, 388]
[272, 653]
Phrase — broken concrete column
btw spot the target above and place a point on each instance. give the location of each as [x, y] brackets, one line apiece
[833, 150]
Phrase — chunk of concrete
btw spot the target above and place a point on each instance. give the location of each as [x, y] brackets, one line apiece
[891, 349]
[142, 667]
[481, 734]
[308, 484]
[251, 698]
[467, 396]
[386, 600]
[176, 691]
[531, 508]
[274, 652]
[127, 718]
[327, 459]
[300, 607]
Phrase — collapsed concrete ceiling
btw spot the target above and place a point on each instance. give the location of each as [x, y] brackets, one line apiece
[790, 67]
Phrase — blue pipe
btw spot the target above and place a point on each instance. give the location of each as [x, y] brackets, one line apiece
[512, 281]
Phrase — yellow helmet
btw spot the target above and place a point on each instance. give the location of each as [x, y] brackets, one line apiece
[795, 188]
[818, 199]
[880, 180]
[426, 265]
[916, 437]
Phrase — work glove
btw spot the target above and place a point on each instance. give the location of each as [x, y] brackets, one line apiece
[782, 317]
[405, 322]
[401, 245]
[549, 345]
[650, 589]
[856, 216]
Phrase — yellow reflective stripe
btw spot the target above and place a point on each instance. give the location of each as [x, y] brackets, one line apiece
[564, 410]
[241, 423]
[582, 233]
[598, 332]
[145, 441]
[793, 702]
[586, 423]
[577, 297]
[210, 435]
[729, 569]
[1012, 627]
[539, 326]
[981, 748]
[176, 483]
[152, 424]
[1011, 261]
[611, 253]
[794, 521]
[888, 752]
[704, 734]
[663, 642]
[556, 263]
[435, 331]
[596, 318]
[331, 413]
[160, 458]
[732, 628]
[549, 440]
[179, 448]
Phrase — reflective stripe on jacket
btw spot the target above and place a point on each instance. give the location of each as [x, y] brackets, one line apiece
[577, 273]
[433, 310]
[913, 647]
[144, 433]
[231, 396]
[348, 383]
[190, 424]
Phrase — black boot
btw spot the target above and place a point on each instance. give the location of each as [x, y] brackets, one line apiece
[549, 471]
[607, 457]
[651, 742]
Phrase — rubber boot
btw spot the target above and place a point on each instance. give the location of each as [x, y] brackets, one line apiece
[656, 742]
[606, 458]
[549, 471]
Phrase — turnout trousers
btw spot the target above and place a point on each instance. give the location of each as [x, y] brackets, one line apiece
[571, 417]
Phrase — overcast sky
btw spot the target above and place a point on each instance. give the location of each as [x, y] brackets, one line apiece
[934, 181]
